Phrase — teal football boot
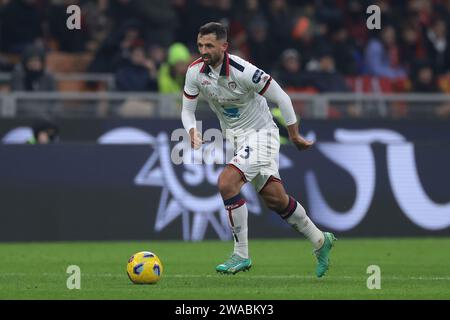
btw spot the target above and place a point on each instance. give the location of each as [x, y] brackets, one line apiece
[234, 265]
[323, 254]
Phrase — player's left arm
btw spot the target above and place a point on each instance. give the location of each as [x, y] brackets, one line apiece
[277, 95]
[257, 80]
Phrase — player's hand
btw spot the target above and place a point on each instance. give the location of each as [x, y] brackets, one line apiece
[301, 143]
[196, 138]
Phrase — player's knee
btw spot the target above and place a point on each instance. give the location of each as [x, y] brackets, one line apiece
[226, 187]
[275, 203]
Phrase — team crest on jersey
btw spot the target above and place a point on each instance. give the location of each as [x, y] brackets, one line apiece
[232, 85]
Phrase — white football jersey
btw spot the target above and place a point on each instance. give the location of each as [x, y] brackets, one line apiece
[234, 93]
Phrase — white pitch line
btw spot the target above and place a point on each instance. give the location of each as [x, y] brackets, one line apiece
[309, 277]
[246, 276]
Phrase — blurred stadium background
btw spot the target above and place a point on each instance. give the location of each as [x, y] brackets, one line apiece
[85, 123]
[105, 99]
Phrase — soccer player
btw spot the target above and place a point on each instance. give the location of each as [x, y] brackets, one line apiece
[236, 91]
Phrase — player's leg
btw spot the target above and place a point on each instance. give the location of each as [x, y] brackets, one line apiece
[230, 183]
[276, 199]
[294, 214]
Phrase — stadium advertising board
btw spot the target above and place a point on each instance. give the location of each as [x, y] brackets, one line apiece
[118, 182]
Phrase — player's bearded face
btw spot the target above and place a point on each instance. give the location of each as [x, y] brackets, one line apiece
[211, 49]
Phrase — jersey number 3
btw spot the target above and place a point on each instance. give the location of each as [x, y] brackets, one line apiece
[247, 153]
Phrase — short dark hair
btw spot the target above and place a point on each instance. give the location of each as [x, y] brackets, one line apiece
[214, 27]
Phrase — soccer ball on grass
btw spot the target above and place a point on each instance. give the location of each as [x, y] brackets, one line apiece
[144, 268]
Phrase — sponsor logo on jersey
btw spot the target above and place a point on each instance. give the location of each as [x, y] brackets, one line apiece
[231, 112]
[257, 76]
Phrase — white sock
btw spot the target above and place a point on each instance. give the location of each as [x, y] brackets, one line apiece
[296, 216]
[237, 217]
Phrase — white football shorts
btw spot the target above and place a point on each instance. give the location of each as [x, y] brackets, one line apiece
[256, 155]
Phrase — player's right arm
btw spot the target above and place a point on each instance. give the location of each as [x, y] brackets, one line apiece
[190, 99]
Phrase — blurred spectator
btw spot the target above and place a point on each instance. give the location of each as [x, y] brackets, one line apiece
[348, 59]
[115, 48]
[238, 41]
[222, 11]
[247, 12]
[424, 81]
[422, 9]
[30, 74]
[259, 31]
[444, 10]
[44, 132]
[157, 54]
[157, 17]
[355, 21]
[121, 12]
[388, 14]
[423, 78]
[382, 55]
[327, 78]
[182, 29]
[412, 46]
[438, 46]
[139, 73]
[280, 21]
[289, 73]
[5, 65]
[309, 36]
[172, 73]
[261, 48]
[328, 13]
[20, 25]
[198, 12]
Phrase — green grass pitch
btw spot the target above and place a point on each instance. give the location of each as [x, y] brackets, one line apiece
[282, 269]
